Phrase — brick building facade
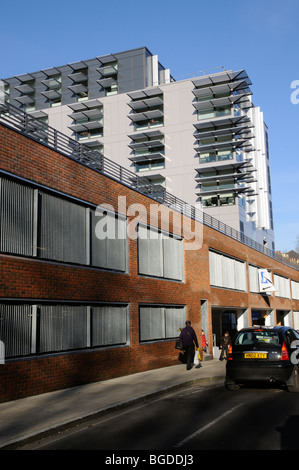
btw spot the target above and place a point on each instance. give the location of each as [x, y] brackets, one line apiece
[38, 286]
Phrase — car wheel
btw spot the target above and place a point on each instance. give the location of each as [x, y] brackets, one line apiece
[293, 382]
[231, 385]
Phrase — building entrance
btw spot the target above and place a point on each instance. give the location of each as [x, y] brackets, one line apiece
[223, 320]
[284, 317]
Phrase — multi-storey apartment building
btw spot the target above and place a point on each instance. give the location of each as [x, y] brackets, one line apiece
[201, 139]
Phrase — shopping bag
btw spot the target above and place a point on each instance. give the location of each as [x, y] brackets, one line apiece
[179, 344]
[196, 358]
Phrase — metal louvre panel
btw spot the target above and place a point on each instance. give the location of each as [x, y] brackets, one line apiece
[295, 290]
[62, 328]
[16, 218]
[282, 286]
[212, 270]
[227, 272]
[240, 275]
[173, 257]
[109, 325]
[215, 269]
[161, 322]
[296, 319]
[16, 329]
[62, 230]
[108, 241]
[152, 323]
[253, 279]
[150, 252]
[174, 319]
[286, 288]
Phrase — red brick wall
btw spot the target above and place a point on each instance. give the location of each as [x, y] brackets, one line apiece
[24, 278]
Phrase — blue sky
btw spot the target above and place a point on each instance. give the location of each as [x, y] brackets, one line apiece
[261, 36]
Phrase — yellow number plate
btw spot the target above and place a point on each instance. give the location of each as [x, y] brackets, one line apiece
[255, 355]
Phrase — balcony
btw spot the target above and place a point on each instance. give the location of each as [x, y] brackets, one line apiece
[51, 94]
[78, 77]
[78, 89]
[52, 83]
[25, 100]
[25, 88]
[110, 85]
[108, 70]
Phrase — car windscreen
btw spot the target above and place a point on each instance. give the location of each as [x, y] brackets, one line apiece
[257, 336]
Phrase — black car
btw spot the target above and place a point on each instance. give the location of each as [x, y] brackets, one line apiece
[264, 354]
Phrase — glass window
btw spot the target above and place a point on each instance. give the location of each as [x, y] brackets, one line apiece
[225, 155]
[112, 90]
[210, 186]
[224, 138]
[141, 125]
[205, 97]
[218, 200]
[223, 94]
[207, 201]
[55, 102]
[142, 166]
[148, 124]
[205, 114]
[150, 165]
[83, 96]
[89, 134]
[158, 164]
[157, 122]
[257, 336]
[227, 199]
[207, 157]
[237, 110]
[206, 141]
[223, 111]
[226, 184]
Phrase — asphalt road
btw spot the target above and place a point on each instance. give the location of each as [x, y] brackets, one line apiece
[203, 416]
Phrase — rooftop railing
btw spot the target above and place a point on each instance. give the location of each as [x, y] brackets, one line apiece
[37, 130]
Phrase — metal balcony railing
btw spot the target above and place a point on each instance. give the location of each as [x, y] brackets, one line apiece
[30, 126]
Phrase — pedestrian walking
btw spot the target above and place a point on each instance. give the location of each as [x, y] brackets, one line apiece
[224, 345]
[189, 338]
[204, 341]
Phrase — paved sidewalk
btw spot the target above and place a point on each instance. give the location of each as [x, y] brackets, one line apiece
[28, 417]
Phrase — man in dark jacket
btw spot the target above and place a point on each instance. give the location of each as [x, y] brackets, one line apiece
[189, 337]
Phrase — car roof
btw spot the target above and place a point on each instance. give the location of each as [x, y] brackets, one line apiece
[265, 328]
